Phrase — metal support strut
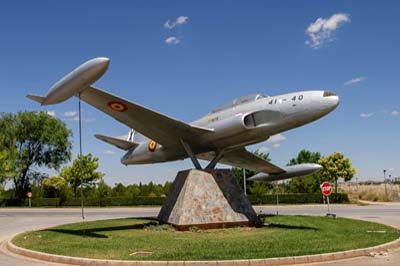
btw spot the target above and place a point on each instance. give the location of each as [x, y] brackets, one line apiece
[214, 161]
[191, 155]
[195, 161]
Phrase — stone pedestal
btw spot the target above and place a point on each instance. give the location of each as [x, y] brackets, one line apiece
[206, 199]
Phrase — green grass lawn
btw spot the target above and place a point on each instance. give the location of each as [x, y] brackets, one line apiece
[281, 236]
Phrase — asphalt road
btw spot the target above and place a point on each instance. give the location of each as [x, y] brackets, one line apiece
[14, 221]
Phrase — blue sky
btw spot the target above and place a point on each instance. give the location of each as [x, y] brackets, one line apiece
[184, 58]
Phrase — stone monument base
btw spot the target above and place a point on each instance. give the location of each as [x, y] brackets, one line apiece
[206, 199]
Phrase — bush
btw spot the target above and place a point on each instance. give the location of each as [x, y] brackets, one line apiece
[115, 201]
[39, 202]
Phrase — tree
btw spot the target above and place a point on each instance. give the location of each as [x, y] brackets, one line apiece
[337, 166]
[119, 190]
[133, 190]
[306, 184]
[3, 163]
[56, 187]
[36, 186]
[32, 139]
[101, 192]
[166, 188]
[258, 189]
[8, 157]
[305, 156]
[89, 174]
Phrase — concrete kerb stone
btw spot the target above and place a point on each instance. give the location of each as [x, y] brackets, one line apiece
[300, 259]
[314, 258]
[257, 262]
[253, 262]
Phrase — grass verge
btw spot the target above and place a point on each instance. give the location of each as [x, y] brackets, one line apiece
[281, 236]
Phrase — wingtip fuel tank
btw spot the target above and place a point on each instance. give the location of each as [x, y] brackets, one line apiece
[298, 170]
[75, 82]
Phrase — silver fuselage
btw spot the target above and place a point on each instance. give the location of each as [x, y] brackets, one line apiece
[244, 124]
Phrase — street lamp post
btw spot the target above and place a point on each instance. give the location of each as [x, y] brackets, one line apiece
[384, 181]
[244, 181]
[80, 156]
[277, 197]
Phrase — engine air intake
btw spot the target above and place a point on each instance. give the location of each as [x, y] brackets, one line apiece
[328, 93]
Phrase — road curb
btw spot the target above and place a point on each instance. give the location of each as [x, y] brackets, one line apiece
[253, 262]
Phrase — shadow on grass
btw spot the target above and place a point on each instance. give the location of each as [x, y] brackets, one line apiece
[286, 226]
[283, 226]
[94, 232]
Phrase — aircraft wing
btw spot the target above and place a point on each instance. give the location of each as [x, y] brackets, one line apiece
[163, 129]
[245, 159]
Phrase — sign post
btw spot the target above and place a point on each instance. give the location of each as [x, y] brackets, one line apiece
[326, 190]
[29, 195]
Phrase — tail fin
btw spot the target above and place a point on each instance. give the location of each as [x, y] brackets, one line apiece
[36, 98]
[119, 143]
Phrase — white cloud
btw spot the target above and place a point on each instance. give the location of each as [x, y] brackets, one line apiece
[366, 115]
[172, 40]
[108, 152]
[395, 113]
[51, 113]
[322, 30]
[263, 149]
[124, 137]
[276, 145]
[76, 119]
[70, 113]
[276, 138]
[355, 80]
[179, 21]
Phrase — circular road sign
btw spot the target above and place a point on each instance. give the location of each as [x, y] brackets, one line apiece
[29, 194]
[326, 188]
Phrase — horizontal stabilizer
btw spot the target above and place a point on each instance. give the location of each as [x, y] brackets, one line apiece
[36, 98]
[119, 143]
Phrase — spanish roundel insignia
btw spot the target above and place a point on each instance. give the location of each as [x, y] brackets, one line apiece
[152, 146]
[117, 106]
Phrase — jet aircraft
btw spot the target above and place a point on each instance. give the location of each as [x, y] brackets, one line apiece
[220, 136]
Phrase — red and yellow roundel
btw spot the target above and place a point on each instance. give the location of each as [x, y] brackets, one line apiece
[117, 106]
[152, 146]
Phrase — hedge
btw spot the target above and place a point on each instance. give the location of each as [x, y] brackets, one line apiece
[299, 198]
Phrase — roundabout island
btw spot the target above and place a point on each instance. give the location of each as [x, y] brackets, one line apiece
[144, 239]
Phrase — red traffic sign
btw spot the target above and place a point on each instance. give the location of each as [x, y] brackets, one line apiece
[29, 194]
[326, 188]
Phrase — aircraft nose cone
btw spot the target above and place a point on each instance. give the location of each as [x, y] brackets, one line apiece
[318, 167]
[334, 101]
[103, 62]
[98, 66]
[257, 177]
[329, 101]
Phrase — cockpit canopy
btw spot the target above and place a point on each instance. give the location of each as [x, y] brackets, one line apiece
[239, 101]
